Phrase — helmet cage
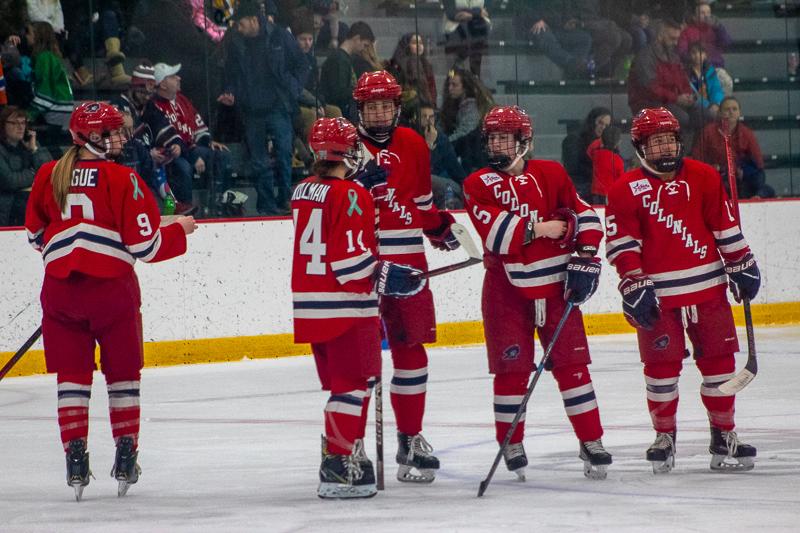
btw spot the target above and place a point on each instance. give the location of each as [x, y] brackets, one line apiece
[659, 162]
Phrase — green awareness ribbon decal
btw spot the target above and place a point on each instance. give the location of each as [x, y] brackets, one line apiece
[137, 192]
[353, 196]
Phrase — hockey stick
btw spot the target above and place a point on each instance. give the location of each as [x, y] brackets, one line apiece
[22, 351]
[522, 406]
[379, 432]
[748, 373]
[462, 236]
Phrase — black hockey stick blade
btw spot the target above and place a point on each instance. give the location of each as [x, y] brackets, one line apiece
[524, 403]
[748, 373]
[22, 351]
[462, 236]
[450, 268]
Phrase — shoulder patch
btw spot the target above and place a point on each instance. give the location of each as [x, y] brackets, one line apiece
[640, 186]
[490, 178]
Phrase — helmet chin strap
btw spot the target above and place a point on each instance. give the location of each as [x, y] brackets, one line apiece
[522, 149]
[383, 136]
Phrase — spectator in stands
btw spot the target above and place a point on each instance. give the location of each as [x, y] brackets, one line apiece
[52, 93]
[266, 75]
[706, 29]
[610, 43]
[338, 73]
[466, 102]
[704, 82]
[20, 158]
[134, 99]
[312, 103]
[466, 32]
[607, 165]
[638, 23]
[182, 134]
[574, 148]
[556, 34]
[367, 61]
[329, 31]
[447, 174]
[413, 71]
[657, 78]
[710, 148]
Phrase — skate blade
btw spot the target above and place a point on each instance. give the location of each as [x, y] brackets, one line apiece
[78, 491]
[663, 467]
[339, 491]
[409, 474]
[730, 465]
[594, 471]
[520, 472]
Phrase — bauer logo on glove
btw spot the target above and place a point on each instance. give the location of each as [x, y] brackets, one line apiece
[396, 280]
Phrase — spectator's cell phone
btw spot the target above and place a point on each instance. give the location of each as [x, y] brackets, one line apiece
[27, 136]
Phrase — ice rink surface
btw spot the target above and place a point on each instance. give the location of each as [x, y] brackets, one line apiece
[235, 447]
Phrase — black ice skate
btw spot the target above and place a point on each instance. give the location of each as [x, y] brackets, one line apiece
[595, 459]
[125, 470]
[78, 472]
[662, 453]
[728, 454]
[414, 452]
[346, 476]
[516, 460]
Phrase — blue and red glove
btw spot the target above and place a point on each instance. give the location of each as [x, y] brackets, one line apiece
[583, 276]
[639, 302]
[374, 179]
[442, 238]
[400, 281]
[744, 277]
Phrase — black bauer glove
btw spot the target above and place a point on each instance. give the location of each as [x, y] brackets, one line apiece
[442, 238]
[639, 302]
[396, 280]
[745, 279]
[583, 276]
[372, 176]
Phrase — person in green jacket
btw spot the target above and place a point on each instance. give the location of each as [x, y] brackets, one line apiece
[52, 94]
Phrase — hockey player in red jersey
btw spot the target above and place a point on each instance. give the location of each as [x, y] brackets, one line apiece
[672, 237]
[531, 221]
[336, 280]
[92, 219]
[406, 214]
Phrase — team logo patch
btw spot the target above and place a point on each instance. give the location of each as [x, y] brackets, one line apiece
[640, 186]
[511, 353]
[661, 343]
[490, 178]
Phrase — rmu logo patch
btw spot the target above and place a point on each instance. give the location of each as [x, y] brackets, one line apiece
[661, 343]
[640, 186]
[511, 353]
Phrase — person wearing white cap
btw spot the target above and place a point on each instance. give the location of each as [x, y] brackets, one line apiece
[180, 132]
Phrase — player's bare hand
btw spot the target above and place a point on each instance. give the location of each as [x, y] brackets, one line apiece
[226, 99]
[175, 150]
[187, 223]
[539, 27]
[200, 165]
[463, 16]
[13, 40]
[219, 146]
[552, 229]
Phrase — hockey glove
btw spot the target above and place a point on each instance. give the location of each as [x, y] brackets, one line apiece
[583, 276]
[442, 238]
[374, 179]
[396, 280]
[570, 238]
[639, 302]
[745, 279]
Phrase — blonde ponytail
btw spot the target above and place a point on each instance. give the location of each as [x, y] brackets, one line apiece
[61, 176]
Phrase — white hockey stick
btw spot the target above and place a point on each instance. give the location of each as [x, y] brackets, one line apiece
[475, 256]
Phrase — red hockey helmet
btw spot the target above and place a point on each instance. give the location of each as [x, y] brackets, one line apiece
[91, 124]
[515, 121]
[652, 121]
[372, 87]
[336, 139]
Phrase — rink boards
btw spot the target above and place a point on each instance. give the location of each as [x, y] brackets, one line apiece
[229, 297]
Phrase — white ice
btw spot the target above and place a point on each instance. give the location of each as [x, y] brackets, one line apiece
[234, 447]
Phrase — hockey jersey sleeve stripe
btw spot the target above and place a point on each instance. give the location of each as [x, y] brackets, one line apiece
[363, 269]
[36, 239]
[620, 245]
[498, 240]
[425, 202]
[589, 222]
[149, 252]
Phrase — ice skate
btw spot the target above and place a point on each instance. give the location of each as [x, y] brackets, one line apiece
[595, 459]
[346, 476]
[662, 453]
[78, 471]
[728, 454]
[516, 460]
[125, 470]
[414, 453]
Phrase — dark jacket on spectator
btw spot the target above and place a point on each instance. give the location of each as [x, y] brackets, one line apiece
[310, 95]
[444, 161]
[256, 81]
[18, 167]
[340, 80]
[657, 77]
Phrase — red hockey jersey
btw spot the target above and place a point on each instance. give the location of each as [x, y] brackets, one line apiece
[674, 232]
[111, 219]
[335, 254]
[499, 206]
[408, 208]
